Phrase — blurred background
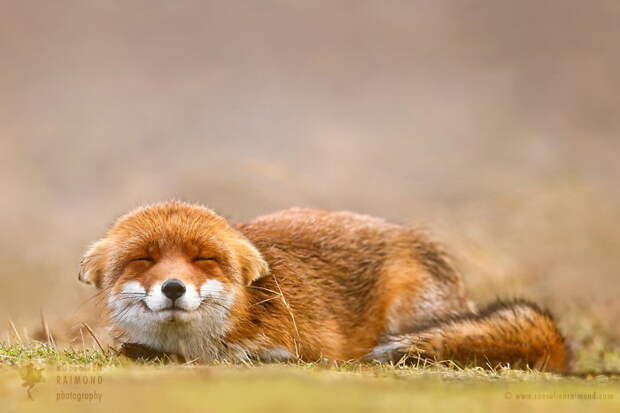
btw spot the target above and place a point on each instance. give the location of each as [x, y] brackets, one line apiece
[495, 125]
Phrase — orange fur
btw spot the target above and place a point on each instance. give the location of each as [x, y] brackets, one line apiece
[310, 284]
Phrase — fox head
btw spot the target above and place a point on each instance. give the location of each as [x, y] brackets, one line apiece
[169, 269]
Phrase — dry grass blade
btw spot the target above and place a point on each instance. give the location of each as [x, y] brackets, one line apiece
[94, 336]
[82, 338]
[266, 300]
[290, 312]
[46, 329]
[16, 334]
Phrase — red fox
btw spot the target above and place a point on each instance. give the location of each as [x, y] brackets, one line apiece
[301, 284]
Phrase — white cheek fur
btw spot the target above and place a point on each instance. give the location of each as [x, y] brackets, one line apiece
[212, 288]
[156, 300]
[123, 304]
[189, 301]
[133, 287]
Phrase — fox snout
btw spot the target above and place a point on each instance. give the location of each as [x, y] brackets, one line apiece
[172, 294]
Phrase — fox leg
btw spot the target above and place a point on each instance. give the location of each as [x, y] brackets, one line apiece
[517, 333]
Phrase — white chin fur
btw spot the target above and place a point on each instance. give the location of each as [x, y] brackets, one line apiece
[193, 330]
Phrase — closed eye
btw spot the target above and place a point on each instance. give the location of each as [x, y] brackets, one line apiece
[147, 259]
[205, 259]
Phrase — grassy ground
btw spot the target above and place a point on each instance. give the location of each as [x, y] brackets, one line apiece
[56, 380]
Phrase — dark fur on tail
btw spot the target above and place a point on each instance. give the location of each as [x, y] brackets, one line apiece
[515, 333]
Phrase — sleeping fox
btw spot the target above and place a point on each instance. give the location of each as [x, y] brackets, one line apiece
[301, 284]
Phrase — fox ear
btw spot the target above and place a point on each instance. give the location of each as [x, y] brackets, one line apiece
[92, 264]
[252, 264]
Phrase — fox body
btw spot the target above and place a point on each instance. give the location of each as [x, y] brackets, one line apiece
[301, 284]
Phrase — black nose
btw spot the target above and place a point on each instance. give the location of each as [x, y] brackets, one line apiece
[173, 289]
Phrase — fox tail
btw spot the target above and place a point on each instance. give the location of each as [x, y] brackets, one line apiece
[515, 333]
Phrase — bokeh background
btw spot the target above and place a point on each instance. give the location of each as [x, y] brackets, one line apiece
[493, 124]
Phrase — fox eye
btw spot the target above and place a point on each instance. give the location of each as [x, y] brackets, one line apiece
[204, 259]
[147, 259]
